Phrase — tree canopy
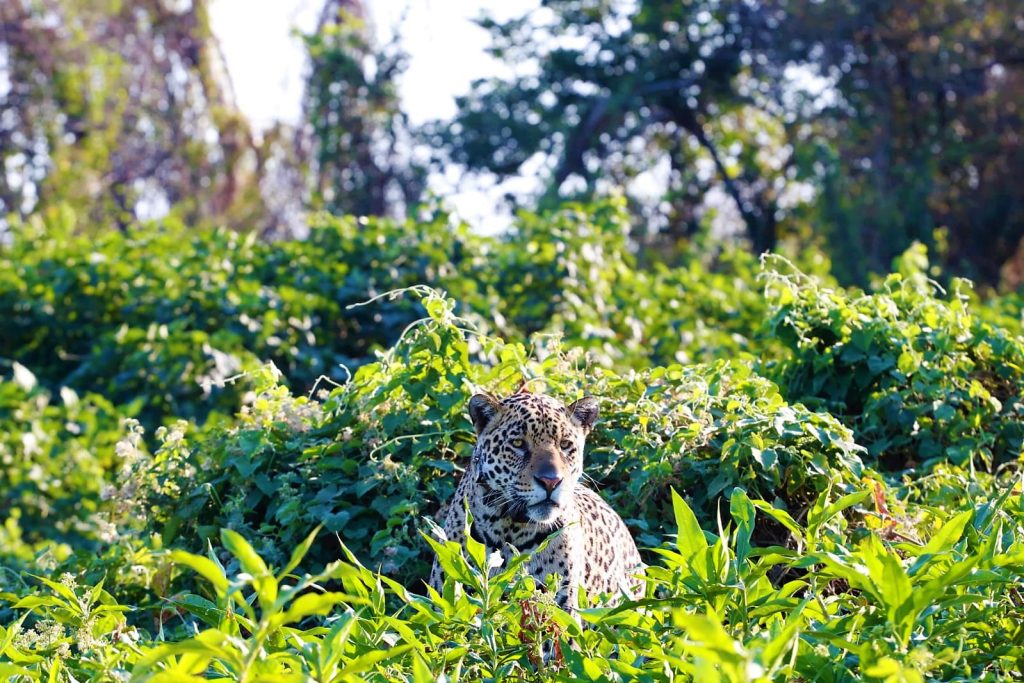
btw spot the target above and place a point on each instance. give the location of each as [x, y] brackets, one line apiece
[863, 126]
[858, 127]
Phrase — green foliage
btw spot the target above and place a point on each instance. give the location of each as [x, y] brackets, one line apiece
[591, 80]
[165, 315]
[93, 122]
[55, 454]
[917, 376]
[711, 611]
[792, 550]
[357, 126]
[161, 317]
[219, 456]
[570, 273]
[385, 448]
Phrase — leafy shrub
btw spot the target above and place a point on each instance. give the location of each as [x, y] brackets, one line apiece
[55, 455]
[570, 274]
[162, 316]
[385, 449]
[937, 609]
[917, 376]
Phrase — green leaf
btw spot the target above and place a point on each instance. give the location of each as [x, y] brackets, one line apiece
[309, 604]
[689, 536]
[299, 552]
[63, 591]
[369, 660]
[205, 568]
[420, 671]
[743, 512]
[818, 516]
[707, 630]
[33, 601]
[780, 644]
[251, 563]
[449, 556]
[780, 516]
[208, 612]
[946, 537]
[9, 671]
[247, 558]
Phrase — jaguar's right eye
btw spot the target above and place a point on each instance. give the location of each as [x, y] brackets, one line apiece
[518, 443]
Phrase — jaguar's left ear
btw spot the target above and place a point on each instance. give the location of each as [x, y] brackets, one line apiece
[583, 412]
[482, 409]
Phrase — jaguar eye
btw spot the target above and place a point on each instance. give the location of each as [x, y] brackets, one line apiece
[518, 443]
[565, 444]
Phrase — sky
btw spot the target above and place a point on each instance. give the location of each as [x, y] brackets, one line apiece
[266, 59]
[266, 62]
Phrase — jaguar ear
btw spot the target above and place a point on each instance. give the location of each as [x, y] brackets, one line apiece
[482, 409]
[583, 412]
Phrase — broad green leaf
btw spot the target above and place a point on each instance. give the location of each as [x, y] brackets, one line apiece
[208, 612]
[949, 534]
[782, 643]
[742, 511]
[420, 671]
[780, 516]
[450, 557]
[63, 591]
[204, 567]
[251, 563]
[313, 603]
[247, 558]
[9, 671]
[369, 660]
[689, 536]
[33, 601]
[830, 511]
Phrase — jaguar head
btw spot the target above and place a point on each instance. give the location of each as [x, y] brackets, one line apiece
[529, 452]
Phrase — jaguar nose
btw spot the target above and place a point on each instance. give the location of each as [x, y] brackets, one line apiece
[549, 483]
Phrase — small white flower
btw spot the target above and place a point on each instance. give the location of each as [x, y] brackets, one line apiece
[495, 560]
[129, 636]
[30, 444]
[106, 531]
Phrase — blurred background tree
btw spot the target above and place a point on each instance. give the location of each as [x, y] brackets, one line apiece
[862, 126]
[855, 127]
[922, 130]
[605, 90]
[122, 110]
[358, 137]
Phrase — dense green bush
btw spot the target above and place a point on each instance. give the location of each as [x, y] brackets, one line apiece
[571, 274]
[384, 449]
[162, 315]
[916, 375]
[56, 452]
[865, 446]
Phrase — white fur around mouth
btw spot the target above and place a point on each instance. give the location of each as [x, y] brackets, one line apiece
[544, 511]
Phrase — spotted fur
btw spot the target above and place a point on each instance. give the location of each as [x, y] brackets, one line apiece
[524, 483]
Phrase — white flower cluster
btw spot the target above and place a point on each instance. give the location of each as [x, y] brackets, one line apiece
[140, 477]
[276, 405]
[45, 635]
